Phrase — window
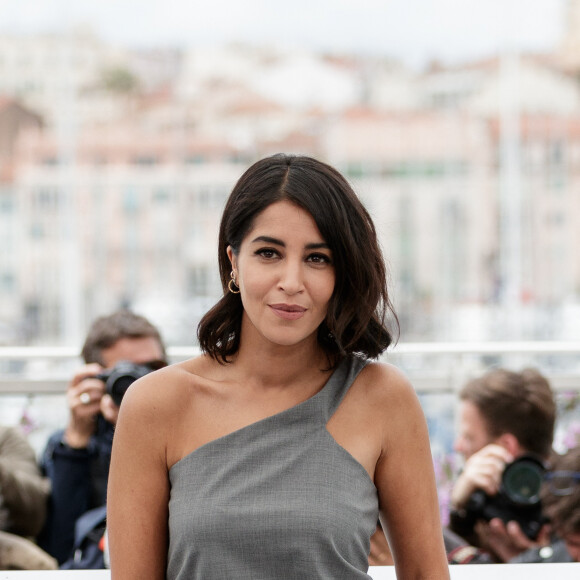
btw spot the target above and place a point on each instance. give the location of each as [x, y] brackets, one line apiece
[145, 160]
[7, 283]
[161, 195]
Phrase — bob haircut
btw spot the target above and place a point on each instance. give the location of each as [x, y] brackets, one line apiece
[357, 311]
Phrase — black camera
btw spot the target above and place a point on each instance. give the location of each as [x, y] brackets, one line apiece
[119, 378]
[518, 498]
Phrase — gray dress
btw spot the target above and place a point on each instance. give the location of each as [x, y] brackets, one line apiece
[278, 499]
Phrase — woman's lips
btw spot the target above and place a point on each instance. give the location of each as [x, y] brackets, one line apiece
[288, 311]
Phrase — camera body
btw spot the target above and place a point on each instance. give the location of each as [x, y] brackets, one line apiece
[119, 378]
[518, 498]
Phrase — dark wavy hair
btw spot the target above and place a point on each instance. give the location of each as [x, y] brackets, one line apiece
[359, 309]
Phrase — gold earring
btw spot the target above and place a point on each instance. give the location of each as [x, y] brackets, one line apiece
[232, 283]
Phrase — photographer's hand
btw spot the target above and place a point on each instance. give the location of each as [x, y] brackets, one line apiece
[84, 396]
[506, 541]
[483, 471]
[109, 409]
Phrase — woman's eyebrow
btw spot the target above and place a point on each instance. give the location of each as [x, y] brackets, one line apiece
[318, 246]
[276, 242]
[268, 240]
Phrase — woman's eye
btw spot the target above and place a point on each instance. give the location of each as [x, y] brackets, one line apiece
[319, 259]
[267, 253]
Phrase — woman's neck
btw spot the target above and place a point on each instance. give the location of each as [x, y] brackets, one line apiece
[277, 365]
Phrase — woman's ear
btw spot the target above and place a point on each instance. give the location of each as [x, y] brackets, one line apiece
[231, 257]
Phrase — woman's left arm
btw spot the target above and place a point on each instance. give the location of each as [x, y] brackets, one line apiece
[405, 481]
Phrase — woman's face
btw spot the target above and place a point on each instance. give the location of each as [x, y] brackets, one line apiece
[285, 273]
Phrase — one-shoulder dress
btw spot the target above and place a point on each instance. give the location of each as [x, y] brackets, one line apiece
[277, 499]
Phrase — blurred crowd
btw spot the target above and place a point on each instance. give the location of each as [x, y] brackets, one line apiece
[515, 499]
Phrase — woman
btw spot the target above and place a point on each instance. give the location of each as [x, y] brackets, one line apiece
[272, 453]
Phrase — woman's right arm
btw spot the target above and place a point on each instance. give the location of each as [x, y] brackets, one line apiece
[138, 488]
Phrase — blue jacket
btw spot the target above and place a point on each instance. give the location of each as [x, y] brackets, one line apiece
[88, 552]
[79, 484]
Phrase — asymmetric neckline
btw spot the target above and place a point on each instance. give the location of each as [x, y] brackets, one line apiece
[310, 401]
[278, 498]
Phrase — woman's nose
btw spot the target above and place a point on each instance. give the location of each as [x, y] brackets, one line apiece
[291, 278]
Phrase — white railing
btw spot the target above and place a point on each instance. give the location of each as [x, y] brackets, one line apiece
[469, 572]
[432, 366]
[33, 380]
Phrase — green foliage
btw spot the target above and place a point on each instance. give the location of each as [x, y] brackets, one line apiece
[119, 80]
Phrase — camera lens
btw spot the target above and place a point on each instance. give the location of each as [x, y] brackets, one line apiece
[122, 376]
[522, 481]
[120, 386]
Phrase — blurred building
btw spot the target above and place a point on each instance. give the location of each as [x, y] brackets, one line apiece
[569, 50]
[132, 221]
[48, 72]
[14, 119]
[471, 173]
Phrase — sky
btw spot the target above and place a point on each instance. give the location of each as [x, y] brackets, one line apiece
[414, 31]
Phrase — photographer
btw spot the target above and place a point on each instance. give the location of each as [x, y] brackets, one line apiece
[77, 458]
[504, 416]
[561, 496]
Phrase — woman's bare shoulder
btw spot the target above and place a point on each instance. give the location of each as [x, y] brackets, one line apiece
[380, 380]
[166, 389]
[389, 393]
[385, 390]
